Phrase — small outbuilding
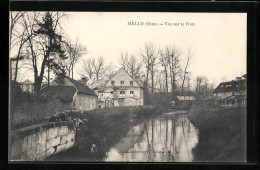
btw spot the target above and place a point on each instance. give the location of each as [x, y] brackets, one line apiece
[74, 94]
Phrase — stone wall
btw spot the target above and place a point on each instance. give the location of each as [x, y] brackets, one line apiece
[33, 144]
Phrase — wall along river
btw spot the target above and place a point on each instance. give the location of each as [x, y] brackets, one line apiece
[169, 137]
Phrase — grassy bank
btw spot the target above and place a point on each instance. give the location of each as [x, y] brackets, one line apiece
[102, 119]
[221, 133]
[104, 127]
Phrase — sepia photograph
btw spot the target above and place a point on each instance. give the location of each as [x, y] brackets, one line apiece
[127, 86]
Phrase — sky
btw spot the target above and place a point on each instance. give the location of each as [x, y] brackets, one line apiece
[217, 40]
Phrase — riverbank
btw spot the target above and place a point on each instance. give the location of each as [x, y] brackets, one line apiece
[222, 133]
[103, 128]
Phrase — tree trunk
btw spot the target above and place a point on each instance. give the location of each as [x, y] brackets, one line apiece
[48, 71]
[72, 67]
[152, 75]
[166, 77]
[16, 65]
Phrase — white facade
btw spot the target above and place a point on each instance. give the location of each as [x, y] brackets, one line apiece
[124, 89]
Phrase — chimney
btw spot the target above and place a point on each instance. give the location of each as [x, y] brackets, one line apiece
[84, 80]
[96, 91]
[238, 78]
[137, 76]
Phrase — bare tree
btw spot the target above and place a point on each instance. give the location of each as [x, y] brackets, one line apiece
[130, 64]
[134, 66]
[88, 68]
[17, 39]
[45, 44]
[75, 51]
[202, 86]
[14, 19]
[173, 54]
[164, 62]
[110, 71]
[149, 56]
[99, 67]
[185, 69]
[124, 60]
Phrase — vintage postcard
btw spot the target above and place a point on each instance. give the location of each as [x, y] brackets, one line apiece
[128, 86]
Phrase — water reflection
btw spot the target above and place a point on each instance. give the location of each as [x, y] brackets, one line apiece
[165, 138]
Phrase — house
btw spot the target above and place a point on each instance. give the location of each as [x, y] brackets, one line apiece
[93, 83]
[105, 99]
[231, 93]
[27, 86]
[72, 93]
[126, 90]
[233, 101]
[181, 99]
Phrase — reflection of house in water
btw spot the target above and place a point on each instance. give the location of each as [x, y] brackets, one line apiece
[133, 136]
[166, 138]
[231, 93]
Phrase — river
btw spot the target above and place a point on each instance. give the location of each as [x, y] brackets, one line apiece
[169, 137]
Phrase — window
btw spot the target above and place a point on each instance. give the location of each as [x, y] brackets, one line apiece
[112, 92]
[131, 83]
[122, 93]
[122, 82]
[112, 82]
[131, 92]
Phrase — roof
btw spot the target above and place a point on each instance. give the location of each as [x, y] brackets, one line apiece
[81, 87]
[185, 97]
[177, 95]
[63, 93]
[138, 82]
[66, 92]
[238, 85]
[245, 76]
[241, 97]
[26, 82]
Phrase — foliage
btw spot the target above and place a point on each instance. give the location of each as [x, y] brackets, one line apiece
[221, 133]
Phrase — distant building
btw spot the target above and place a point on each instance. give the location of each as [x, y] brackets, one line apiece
[231, 93]
[105, 99]
[175, 99]
[27, 86]
[71, 92]
[125, 90]
[94, 83]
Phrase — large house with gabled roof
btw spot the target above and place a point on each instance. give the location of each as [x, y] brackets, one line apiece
[231, 93]
[126, 90]
[73, 94]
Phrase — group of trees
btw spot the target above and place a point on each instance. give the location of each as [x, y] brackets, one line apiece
[165, 69]
[38, 44]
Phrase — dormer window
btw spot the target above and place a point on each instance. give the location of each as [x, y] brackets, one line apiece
[122, 82]
[112, 83]
[131, 83]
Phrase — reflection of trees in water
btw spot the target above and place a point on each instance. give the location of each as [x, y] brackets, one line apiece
[173, 144]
